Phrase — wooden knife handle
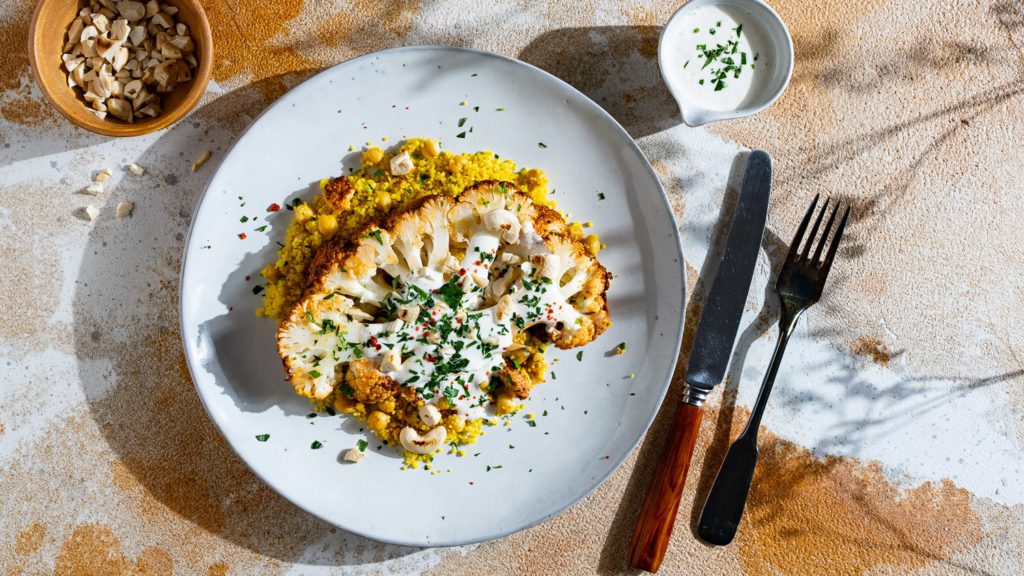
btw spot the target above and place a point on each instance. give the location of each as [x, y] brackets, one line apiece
[654, 527]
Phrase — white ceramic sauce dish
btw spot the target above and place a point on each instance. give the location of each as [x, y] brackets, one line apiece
[755, 51]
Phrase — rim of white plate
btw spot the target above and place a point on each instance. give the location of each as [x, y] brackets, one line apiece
[666, 380]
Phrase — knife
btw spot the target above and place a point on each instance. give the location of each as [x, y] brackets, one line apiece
[712, 347]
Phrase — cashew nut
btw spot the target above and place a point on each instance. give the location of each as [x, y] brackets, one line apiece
[401, 164]
[391, 361]
[409, 313]
[504, 308]
[430, 415]
[503, 221]
[413, 442]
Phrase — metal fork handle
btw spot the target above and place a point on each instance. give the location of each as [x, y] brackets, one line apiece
[723, 509]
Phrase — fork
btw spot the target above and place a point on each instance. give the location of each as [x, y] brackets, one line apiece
[799, 286]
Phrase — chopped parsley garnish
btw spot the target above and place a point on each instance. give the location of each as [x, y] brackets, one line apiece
[542, 145]
[375, 235]
[262, 228]
[462, 122]
[600, 196]
[314, 374]
[362, 444]
[450, 293]
[532, 423]
[311, 415]
[579, 355]
[723, 61]
[460, 135]
[316, 445]
[257, 289]
[243, 219]
[263, 437]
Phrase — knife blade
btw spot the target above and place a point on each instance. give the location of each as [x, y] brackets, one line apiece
[713, 343]
[723, 306]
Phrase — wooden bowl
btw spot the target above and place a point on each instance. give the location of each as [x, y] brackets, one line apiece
[46, 42]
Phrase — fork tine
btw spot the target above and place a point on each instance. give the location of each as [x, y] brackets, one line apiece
[814, 231]
[794, 246]
[827, 265]
[824, 235]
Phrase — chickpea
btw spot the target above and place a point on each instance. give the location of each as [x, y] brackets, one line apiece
[327, 224]
[272, 273]
[593, 244]
[387, 405]
[505, 404]
[383, 200]
[303, 213]
[456, 423]
[430, 148]
[377, 420]
[576, 230]
[372, 156]
[343, 404]
[456, 163]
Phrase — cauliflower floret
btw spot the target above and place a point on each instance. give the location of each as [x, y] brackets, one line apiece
[515, 381]
[368, 383]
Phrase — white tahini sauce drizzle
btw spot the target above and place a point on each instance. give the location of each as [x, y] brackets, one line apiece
[448, 352]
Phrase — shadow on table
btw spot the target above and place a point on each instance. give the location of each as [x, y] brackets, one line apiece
[142, 397]
[616, 66]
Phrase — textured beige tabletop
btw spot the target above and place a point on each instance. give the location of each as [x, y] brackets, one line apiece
[901, 454]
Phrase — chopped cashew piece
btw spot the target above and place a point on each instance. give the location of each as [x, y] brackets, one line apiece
[102, 175]
[401, 164]
[412, 441]
[92, 212]
[409, 313]
[136, 169]
[201, 160]
[430, 415]
[124, 209]
[353, 455]
[95, 188]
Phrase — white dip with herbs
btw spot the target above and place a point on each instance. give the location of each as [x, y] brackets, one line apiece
[720, 58]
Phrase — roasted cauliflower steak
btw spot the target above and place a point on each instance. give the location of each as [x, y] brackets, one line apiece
[430, 298]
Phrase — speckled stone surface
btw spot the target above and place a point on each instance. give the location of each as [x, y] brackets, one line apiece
[894, 443]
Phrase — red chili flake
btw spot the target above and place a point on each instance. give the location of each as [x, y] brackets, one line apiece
[373, 342]
[470, 482]
[606, 457]
[462, 271]
[242, 236]
[247, 278]
[275, 207]
[477, 263]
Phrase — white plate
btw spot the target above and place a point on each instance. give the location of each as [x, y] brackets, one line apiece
[596, 413]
